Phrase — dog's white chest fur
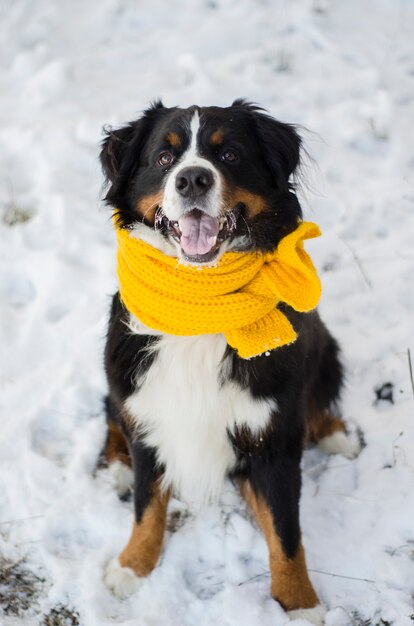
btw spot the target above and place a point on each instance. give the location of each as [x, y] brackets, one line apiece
[185, 410]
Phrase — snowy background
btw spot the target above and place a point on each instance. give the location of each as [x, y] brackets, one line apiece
[345, 71]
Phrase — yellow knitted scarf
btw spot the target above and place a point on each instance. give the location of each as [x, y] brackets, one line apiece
[238, 297]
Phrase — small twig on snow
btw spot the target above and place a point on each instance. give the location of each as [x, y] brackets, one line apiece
[358, 262]
[363, 580]
[316, 571]
[410, 367]
[266, 573]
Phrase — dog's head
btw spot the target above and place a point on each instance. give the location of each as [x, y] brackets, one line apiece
[199, 181]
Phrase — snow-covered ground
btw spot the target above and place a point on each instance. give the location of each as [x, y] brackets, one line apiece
[345, 71]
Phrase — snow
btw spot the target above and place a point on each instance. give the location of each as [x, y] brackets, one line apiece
[345, 72]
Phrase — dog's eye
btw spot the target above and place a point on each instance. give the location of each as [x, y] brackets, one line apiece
[230, 156]
[165, 159]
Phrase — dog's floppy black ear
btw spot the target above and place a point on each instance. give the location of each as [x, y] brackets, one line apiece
[281, 147]
[280, 143]
[121, 149]
[114, 148]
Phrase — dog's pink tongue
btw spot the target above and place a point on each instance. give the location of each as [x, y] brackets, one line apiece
[198, 232]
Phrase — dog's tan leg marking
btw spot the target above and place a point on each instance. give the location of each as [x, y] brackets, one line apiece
[144, 547]
[290, 584]
[116, 447]
[329, 433]
[320, 424]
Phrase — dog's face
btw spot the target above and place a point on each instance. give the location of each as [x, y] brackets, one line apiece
[196, 182]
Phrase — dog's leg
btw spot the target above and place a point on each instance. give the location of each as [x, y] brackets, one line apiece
[115, 455]
[116, 447]
[326, 381]
[329, 433]
[140, 556]
[273, 492]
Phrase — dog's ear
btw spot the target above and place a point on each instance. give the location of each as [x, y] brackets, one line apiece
[280, 143]
[114, 148]
[121, 149]
[281, 148]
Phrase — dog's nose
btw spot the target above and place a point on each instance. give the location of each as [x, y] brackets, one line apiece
[193, 182]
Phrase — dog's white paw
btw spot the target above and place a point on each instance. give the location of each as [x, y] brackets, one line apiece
[340, 443]
[314, 615]
[121, 477]
[122, 581]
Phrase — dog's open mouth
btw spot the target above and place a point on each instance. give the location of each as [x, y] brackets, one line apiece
[200, 235]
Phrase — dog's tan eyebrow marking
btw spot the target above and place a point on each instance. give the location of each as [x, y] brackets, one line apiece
[217, 137]
[173, 139]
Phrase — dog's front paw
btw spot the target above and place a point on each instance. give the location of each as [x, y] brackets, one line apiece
[314, 615]
[122, 581]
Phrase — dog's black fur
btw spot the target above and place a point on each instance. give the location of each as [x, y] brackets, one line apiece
[305, 377]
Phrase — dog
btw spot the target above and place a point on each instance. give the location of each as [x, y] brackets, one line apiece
[186, 411]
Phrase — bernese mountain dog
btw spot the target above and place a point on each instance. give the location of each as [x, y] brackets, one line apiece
[185, 412]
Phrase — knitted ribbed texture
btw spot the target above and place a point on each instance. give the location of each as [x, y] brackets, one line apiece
[238, 297]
